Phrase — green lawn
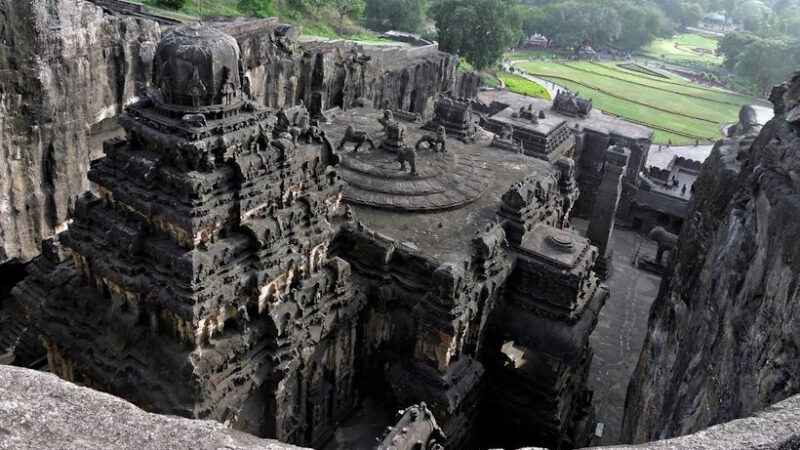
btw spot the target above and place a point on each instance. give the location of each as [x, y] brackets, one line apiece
[536, 53]
[674, 108]
[490, 80]
[684, 47]
[522, 85]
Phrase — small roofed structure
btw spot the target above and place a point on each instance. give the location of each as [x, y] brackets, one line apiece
[718, 19]
[536, 41]
[571, 104]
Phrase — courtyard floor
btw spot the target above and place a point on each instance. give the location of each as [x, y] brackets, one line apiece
[621, 328]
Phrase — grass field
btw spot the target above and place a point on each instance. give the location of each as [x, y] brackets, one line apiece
[684, 47]
[674, 108]
[522, 85]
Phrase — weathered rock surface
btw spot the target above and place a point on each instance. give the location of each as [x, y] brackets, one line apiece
[70, 68]
[724, 333]
[67, 67]
[775, 428]
[40, 411]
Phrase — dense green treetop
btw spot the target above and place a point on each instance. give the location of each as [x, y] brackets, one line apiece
[256, 8]
[352, 8]
[404, 15]
[171, 4]
[767, 62]
[478, 30]
[624, 24]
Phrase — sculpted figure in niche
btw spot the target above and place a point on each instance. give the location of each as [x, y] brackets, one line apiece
[196, 88]
[436, 142]
[357, 137]
[228, 87]
[507, 133]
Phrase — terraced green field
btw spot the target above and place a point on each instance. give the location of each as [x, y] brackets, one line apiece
[522, 85]
[684, 47]
[676, 109]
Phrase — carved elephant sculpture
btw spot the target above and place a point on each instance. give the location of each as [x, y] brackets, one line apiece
[666, 241]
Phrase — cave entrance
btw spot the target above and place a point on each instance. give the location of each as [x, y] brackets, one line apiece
[10, 275]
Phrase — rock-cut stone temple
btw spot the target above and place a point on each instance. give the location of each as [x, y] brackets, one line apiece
[272, 269]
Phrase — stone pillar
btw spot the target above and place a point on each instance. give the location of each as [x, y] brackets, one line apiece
[605, 207]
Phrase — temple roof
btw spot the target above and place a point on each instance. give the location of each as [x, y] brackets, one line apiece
[197, 66]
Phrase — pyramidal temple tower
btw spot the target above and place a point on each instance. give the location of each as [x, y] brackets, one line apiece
[194, 279]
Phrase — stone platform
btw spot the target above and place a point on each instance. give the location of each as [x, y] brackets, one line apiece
[454, 195]
[444, 180]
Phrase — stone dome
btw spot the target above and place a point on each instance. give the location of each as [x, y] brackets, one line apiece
[197, 66]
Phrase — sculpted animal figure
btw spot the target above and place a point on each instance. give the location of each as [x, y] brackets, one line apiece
[356, 136]
[666, 241]
[748, 123]
[387, 119]
[436, 142]
[407, 155]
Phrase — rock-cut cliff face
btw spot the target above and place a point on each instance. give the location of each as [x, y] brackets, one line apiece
[66, 67]
[724, 332]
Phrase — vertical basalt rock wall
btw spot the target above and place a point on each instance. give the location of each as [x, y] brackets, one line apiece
[66, 67]
[344, 72]
[724, 332]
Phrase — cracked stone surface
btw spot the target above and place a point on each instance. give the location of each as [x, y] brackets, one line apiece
[41, 411]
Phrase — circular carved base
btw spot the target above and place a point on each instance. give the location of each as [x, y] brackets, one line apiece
[443, 180]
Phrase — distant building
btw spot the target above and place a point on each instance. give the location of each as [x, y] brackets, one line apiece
[536, 41]
[715, 20]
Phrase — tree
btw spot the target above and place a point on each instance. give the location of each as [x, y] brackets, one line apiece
[478, 30]
[256, 8]
[730, 9]
[753, 16]
[353, 8]
[171, 4]
[405, 15]
[689, 14]
[317, 5]
[790, 23]
[536, 20]
[732, 45]
[621, 23]
[766, 62]
[639, 26]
